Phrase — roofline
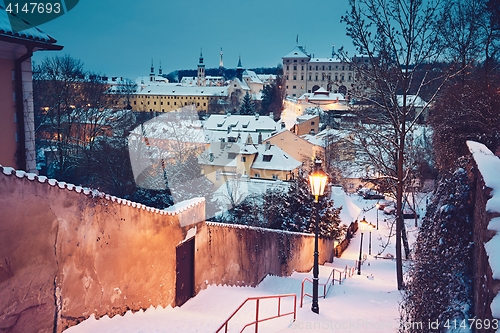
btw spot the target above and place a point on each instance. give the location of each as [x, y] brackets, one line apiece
[31, 43]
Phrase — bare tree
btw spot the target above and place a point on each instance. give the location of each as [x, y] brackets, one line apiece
[397, 38]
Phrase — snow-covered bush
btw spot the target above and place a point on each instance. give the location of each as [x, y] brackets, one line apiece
[439, 282]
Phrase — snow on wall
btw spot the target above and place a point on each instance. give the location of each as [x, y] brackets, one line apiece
[489, 166]
[173, 210]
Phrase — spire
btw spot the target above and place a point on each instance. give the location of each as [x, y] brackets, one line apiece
[239, 62]
[201, 56]
[239, 70]
[160, 71]
[297, 39]
[221, 63]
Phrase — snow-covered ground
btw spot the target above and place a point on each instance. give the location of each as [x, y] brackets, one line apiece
[362, 303]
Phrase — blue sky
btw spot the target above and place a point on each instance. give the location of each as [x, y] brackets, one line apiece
[119, 38]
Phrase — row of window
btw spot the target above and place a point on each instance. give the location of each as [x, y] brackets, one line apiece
[323, 78]
[317, 67]
[175, 97]
[174, 103]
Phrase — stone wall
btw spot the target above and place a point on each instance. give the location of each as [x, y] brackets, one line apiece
[485, 286]
[65, 255]
[240, 255]
[68, 252]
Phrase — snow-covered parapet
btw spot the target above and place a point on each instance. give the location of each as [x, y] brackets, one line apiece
[8, 171]
[489, 166]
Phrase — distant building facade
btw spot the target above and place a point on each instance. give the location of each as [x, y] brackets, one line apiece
[304, 73]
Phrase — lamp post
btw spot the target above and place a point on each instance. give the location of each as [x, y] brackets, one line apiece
[361, 225]
[378, 207]
[317, 180]
[371, 226]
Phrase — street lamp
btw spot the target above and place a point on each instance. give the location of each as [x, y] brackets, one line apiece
[361, 224]
[317, 180]
[378, 207]
[370, 226]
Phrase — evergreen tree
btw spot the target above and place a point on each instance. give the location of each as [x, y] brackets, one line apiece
[247, 105]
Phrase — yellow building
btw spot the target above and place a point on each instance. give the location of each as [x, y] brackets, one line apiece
[224, 161]
[297, 147]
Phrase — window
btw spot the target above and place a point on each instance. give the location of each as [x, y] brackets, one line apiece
[231, 156]
[257, 175]
[148, 102]
[243, 158]
[323, 67]
[155, 103]
[275, 177]
[316, 67]
[302, 67]
[287, 77]
[287, 67]
[294, 67]
[330, 67]
[294, 87]
[135, 102]
[310, 78]
[302, 77]
[295, 77]
[295, 60]
[267, 158]
[312, 122]
[316, 78]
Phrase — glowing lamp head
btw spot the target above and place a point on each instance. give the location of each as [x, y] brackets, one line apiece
[318, 180]
[363, 224]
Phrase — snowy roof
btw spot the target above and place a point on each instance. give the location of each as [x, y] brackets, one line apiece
[240, 123]
[276, 159]
[323, 60]
[322, 95]
[30, 34]
[224, 154]
[266, 78]
[305, 117]
[95, 193]
[297, 52]
[252, 76]
[414, 100]
[175, 89]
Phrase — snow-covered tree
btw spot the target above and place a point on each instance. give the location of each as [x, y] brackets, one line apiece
[247, 105]
[396, 40]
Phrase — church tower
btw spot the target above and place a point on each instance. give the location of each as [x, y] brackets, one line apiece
[152, 73]
[160, 71]
[239, 70]
[201, 71]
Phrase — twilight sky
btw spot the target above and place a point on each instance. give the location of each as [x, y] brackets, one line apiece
[120, 37]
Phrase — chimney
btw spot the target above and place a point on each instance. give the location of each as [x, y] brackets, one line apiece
[259, 138]
[222, 143]
[268, 145]
[256, 116]
[283, 125]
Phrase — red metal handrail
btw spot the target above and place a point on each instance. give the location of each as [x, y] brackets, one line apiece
[347, 272]
[257, 320]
